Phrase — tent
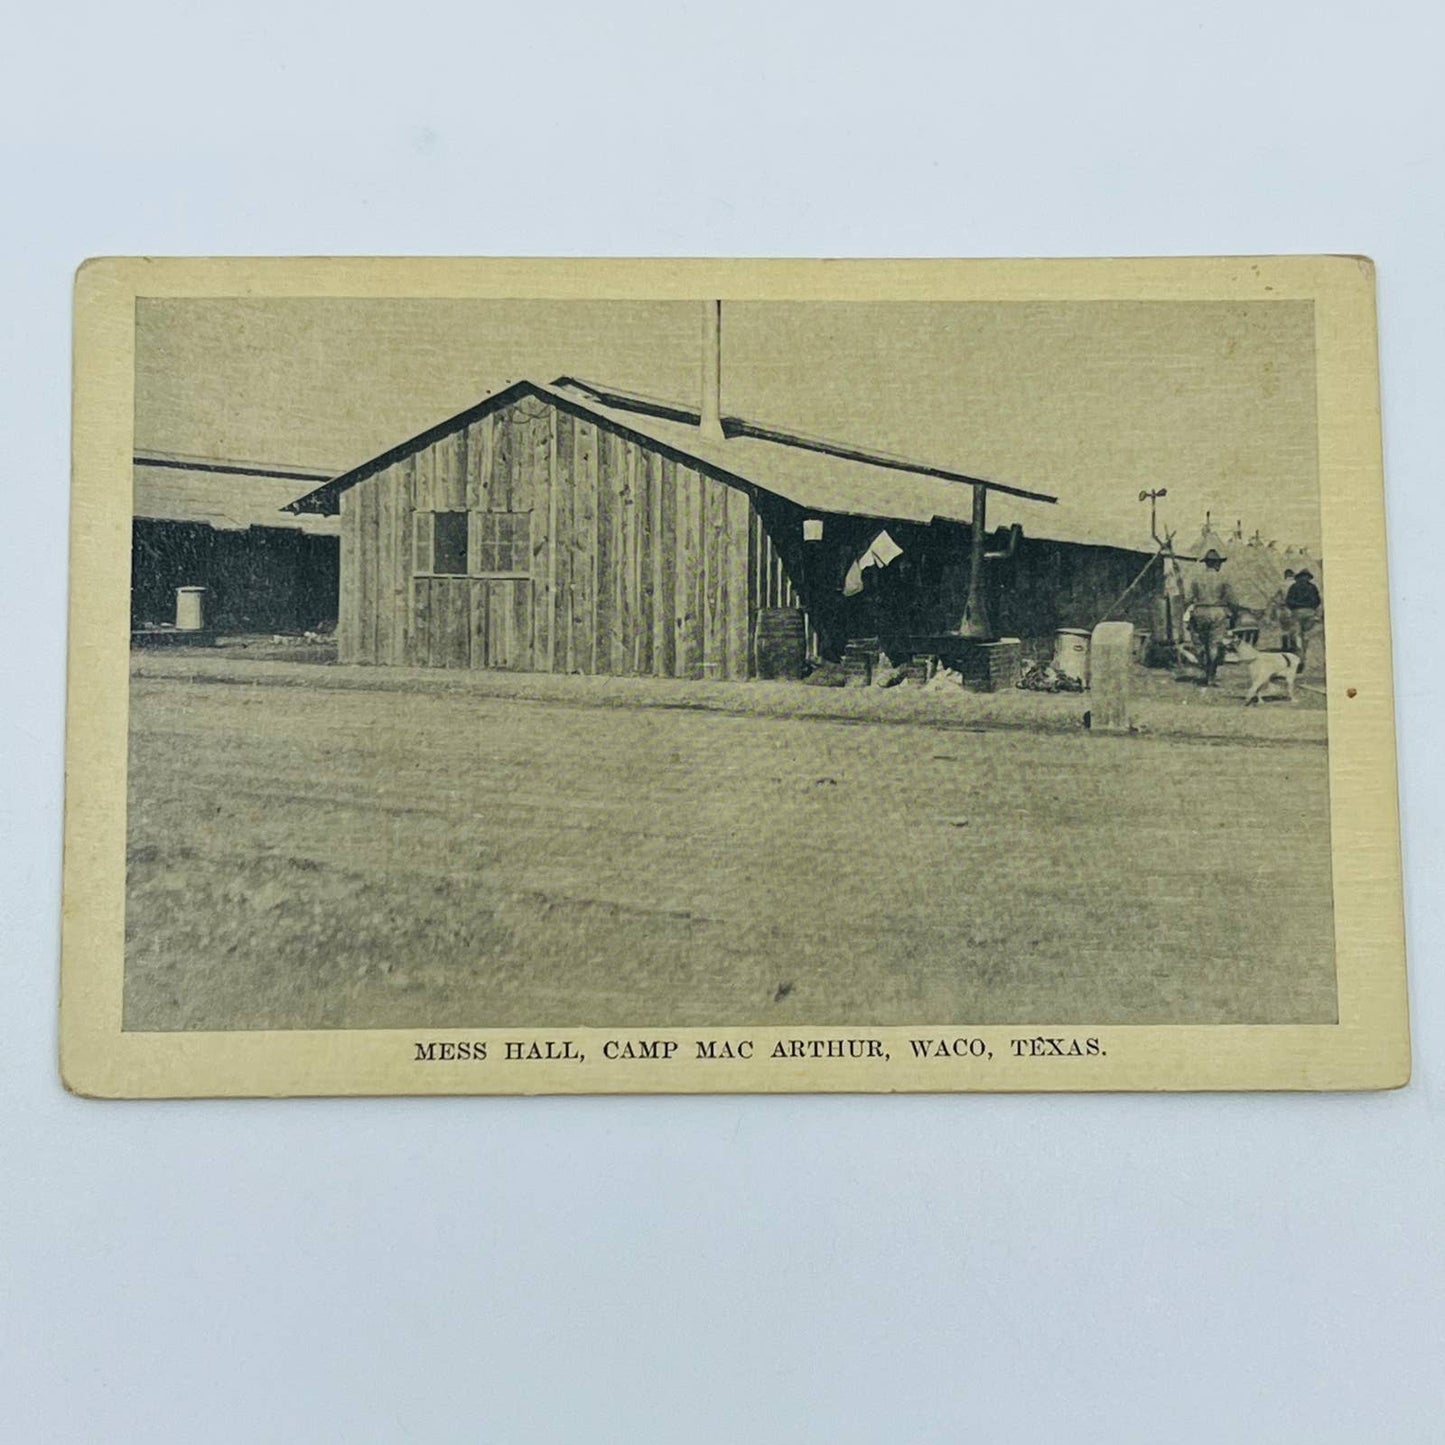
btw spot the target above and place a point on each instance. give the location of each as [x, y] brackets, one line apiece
[1190, 562]
[1253, 567]
[1256, 572]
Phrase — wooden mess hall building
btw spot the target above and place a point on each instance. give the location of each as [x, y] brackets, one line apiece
[567, 527]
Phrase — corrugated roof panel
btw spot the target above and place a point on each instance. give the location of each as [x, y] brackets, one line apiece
[229, 502]
[831, 484]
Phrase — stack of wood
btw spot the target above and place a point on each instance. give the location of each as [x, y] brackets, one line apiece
[920, 668]
[860, 657]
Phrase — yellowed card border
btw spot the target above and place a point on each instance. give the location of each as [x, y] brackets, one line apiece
[1367, 1049]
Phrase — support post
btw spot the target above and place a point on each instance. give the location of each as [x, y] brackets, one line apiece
[710, 424]
[975, 624]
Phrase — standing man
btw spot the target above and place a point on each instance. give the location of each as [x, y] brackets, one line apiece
[1210, 612]
[1302, 606]
[1279, 612]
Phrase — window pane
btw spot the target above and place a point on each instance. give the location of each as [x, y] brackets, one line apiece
[503, 542]
[449, 549]
[518, 542]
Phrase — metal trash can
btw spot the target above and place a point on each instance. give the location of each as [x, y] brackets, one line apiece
[190, 609]
[1071, 653]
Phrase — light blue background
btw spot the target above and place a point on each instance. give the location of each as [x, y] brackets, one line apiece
[1136, 1268]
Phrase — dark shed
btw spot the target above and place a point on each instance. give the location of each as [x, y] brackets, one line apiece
[221, 525]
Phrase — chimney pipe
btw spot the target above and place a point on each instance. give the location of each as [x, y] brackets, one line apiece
[710, 424]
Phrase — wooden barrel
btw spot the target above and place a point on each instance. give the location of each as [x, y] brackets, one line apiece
[780, 643]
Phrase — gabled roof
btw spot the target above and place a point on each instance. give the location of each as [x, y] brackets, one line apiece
[1207, 539]
[819, 475]
[227, 495]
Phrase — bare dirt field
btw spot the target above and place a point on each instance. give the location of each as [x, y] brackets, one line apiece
[310, 848]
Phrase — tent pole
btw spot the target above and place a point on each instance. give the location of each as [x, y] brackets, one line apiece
[1114, 606]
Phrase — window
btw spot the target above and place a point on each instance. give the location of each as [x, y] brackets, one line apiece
[449, 543]
[502, 542]
[477, 544]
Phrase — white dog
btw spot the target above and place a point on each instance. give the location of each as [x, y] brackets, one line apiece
[1265, 668]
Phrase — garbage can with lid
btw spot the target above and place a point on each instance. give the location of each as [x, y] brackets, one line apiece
[1071, 653]
[190, 609]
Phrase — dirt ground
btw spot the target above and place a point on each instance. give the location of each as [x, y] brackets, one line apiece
[315, 847]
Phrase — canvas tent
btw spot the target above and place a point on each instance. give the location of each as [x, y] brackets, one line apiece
[1254, 568]
[1256, 572]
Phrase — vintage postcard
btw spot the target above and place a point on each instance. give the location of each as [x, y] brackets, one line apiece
[697, 676]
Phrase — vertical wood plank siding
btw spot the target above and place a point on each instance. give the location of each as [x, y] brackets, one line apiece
[584, 544]
[638, 563]
[664, 647]
[561, 544]
[348, 620]
[687, 550]
[739, 610]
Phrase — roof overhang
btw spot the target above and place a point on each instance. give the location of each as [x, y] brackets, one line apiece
[814, 472]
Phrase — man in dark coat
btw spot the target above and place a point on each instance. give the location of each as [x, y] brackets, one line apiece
[1302, 613]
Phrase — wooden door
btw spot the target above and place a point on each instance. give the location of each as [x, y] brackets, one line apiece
[501, 623]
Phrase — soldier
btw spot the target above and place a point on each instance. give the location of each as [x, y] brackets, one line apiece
[1210, 612]
[1302, 611]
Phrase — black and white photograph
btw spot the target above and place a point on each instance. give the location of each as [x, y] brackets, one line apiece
[627, 663]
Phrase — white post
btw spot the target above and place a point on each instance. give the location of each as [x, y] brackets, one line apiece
[1111, 652]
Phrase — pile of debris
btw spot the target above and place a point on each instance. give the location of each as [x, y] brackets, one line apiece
[958, 665]
[306, 639]
[945, 679]
[819, 672]
[867, 666]
[1043, 677]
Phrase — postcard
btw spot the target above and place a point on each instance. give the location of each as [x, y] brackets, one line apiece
[597, 676]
